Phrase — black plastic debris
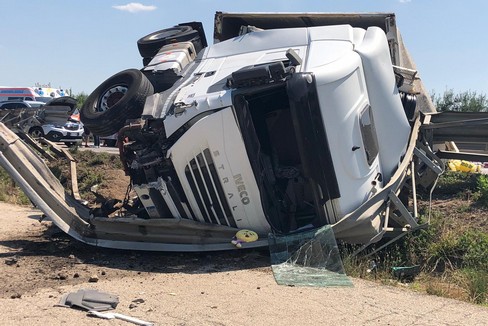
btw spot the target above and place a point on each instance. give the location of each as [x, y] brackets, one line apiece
[406, 273]
[92, 300]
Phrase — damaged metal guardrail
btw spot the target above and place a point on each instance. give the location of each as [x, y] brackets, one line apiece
[130, 232]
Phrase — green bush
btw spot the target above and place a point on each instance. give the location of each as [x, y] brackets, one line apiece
[476, 284]
[474, 247]
[444, 254]
[459, 184]
[482, 187]
[10, 192]
[452, 183]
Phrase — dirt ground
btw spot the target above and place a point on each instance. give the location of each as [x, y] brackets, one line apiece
[38, 264]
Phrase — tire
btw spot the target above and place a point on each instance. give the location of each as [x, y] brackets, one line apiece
[54, 136]
[409, 102]
[150, 44]
[36, 132]
[117, 99]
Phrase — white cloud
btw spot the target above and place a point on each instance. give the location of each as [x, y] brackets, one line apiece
[404, 1]
[134, 7]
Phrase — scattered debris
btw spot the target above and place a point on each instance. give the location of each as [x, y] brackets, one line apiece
[406, 273]
[11, 261]
[373, 268]
[92, 300]
[16, 296]
[62, 276]
[110, 315]
[76, 259]
[95, 301]
[135, 303]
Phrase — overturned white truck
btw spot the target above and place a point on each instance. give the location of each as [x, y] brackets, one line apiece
[288, 122]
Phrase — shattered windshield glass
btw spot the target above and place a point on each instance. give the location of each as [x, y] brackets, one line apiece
[308, 258]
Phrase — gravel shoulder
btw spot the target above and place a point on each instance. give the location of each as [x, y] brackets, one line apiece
[39, 264]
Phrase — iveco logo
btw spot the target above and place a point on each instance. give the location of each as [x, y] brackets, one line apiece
[241, 188]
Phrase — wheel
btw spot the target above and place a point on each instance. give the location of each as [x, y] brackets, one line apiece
[409, 102]
[54, 136]
[149, 45]
[117, 99]
[36, 132]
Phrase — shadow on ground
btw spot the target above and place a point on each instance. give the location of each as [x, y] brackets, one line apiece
[46, 257]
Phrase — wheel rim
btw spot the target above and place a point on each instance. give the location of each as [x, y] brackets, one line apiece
[36, 133]
[166, 33]
[56, 136]
[111, 97]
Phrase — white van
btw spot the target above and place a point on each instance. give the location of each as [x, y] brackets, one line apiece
[17, 94]
[42, 94]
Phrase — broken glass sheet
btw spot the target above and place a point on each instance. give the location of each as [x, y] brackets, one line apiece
[308, 258]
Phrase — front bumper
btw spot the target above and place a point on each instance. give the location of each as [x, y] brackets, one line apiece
[54, 133]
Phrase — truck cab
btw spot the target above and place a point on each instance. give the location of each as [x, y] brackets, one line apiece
[272, 130]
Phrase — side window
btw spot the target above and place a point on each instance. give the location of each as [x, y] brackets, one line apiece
[368, 133]
[7, 106]
[14, 105]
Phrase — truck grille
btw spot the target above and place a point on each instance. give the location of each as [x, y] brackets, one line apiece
[208, 191]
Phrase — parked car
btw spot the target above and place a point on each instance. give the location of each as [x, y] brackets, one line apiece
[21, 105]
[59, 121]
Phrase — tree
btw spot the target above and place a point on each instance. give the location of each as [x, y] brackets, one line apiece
[468, 101]
[80, 99]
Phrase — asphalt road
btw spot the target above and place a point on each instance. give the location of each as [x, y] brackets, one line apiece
[91, 147]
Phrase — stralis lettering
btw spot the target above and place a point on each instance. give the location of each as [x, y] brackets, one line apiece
[241, 188]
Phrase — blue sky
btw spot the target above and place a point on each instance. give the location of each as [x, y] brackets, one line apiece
[78, 44]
